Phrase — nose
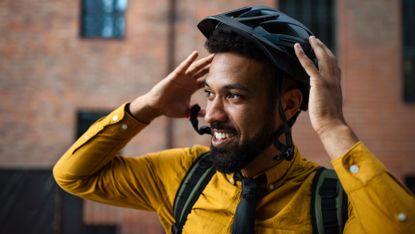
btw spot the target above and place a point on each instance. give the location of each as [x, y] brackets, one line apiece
[215, 111]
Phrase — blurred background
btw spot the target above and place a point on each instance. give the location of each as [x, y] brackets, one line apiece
[64, 64]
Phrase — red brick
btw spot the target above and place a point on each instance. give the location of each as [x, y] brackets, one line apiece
[47, 73]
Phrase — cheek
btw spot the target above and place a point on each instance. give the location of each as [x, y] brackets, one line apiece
[255, 120]
[237, 116]
[249, 118]
[247, 122]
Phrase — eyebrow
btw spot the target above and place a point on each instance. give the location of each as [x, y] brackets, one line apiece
[231, 86]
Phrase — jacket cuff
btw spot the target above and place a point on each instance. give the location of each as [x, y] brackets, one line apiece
[119, 123]
[357, 167]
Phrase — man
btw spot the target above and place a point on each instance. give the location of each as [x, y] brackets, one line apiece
[255, 88]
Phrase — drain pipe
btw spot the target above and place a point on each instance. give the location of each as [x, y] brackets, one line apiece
[171, 54]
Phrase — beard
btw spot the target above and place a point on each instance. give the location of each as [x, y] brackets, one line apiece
[237, 155]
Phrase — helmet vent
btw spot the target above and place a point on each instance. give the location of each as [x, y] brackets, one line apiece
[283, 28]
[237, 13]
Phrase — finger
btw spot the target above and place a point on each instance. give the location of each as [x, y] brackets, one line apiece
[318, 49]
[325, 48]
[323, 54]
[198, 65]
[326, 59]
[183, 66]
[305, 61]
[202, 72]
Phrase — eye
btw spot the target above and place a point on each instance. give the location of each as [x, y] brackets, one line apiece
[234, 96]
[209, 94]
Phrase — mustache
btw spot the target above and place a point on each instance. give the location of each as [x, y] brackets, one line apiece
[222, 126]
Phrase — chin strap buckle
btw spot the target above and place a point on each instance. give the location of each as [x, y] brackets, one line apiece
[289, 153]
[194, 110]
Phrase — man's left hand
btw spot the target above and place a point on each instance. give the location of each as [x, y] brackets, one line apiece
[325, 102]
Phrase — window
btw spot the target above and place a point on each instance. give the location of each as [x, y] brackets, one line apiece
[408, 47]
[103, 18]
[317, 15]
[86, 118]
[410, 183]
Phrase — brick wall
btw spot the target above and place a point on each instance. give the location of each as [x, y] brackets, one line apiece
[47, 73]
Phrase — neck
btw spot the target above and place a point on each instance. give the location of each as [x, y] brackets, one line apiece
[263, 162]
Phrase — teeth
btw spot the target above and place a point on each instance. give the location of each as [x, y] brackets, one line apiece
[222, 135]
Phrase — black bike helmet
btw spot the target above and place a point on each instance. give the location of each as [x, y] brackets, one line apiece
[274, 33]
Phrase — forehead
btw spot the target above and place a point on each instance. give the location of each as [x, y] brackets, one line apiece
[231, 68]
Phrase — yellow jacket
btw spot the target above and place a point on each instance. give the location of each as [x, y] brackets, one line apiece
[91, 169]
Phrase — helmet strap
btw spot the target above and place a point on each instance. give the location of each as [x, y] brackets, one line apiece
[286, 149]
[194, 110]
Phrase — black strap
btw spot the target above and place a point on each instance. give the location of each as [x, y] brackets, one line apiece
[194, 110]
[286, 149]
[328, 203]
[190, 189]
[244, 221]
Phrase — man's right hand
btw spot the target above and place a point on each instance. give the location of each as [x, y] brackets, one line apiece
[171, 96]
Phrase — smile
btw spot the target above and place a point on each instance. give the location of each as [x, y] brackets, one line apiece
[222, 135]
[221, 138]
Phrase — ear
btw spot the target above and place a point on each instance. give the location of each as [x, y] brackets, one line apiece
[291, 102]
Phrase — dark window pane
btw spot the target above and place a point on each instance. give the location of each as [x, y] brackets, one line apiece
[119, 26]
[86, 118]
[103, 18]
[408, 40]
[107, 29]
[317, 15]
[90, 5]
[410, 183]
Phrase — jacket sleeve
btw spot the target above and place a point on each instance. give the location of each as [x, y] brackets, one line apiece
[379, 202]
[91, 168]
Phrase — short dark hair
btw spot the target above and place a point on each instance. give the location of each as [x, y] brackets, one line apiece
[227, 41]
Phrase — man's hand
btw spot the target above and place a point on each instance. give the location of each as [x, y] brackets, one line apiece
[171, 96]
[325, 102]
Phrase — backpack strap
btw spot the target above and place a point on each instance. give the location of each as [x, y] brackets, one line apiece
[328, 203]
[192, 185]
